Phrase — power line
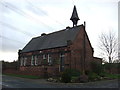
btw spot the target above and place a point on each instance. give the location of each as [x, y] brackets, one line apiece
[11, 39]
[18, 11]
[44, 13]
[16, 29]
[73, 2]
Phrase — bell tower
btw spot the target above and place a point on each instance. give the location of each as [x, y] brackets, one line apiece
[74, 18]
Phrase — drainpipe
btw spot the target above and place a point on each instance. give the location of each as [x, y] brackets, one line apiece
[84, 49]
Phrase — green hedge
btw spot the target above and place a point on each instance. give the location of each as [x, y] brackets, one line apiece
[96, 67]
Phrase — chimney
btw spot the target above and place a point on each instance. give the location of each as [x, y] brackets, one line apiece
[69, 42]
[43, 34]
[67, 28]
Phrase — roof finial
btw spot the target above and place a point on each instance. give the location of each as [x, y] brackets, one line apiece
[74, 18]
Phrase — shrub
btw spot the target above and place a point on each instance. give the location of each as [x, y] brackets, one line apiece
[66, 77]
[96, 67]
[102, 74]
[87, 72]
[68, 74]
[83, 78]
[73, 72]
[93, 76]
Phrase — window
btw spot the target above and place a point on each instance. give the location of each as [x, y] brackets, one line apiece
[49, 60]
[44, 59]
[25, 60]
[44, 56]
[32, 60]
[36, 60]
[21, 61]
[39, 59]
[62, 55]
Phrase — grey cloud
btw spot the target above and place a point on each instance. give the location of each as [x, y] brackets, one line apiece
[10, 45]
[36, 9]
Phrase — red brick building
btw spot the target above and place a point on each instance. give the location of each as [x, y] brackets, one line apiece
[57, 51]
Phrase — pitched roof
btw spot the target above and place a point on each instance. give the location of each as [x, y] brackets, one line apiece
[52, 40]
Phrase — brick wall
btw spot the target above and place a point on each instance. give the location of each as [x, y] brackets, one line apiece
[77, 51]
[73, 58]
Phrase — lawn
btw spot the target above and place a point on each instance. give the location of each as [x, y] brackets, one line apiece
[24, 76]
[113, 76]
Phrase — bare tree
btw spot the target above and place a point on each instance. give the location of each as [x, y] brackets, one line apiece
[108, 45]
[116, 61]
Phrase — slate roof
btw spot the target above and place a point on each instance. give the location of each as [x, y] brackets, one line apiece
[52, 40]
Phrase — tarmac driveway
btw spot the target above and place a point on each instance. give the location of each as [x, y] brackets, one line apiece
[17, 82]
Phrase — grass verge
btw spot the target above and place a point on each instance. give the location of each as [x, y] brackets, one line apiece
[24, 76]
[113, 76]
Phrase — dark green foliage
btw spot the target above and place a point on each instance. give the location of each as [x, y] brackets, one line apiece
[9, 65]
[109, 75]
[111, 65]
[93, 76]
[87, 72]
[96, 67]
[66, 77]
[107, 66]
[102, 74]
[68, 74]
[83, 78]
[73, 72]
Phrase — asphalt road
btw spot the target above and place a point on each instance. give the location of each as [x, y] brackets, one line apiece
[16, 82]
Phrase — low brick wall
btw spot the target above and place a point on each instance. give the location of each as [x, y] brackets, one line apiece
[18, 72]
[34, 70]
[40, 70]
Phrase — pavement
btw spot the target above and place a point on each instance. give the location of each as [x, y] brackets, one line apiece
[17, 82]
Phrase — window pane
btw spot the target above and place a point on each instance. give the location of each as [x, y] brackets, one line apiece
[36, 60]
[21, 61]
[32, 60]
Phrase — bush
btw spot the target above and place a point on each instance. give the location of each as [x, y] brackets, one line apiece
[102, 74]
[83, 78]
[96, 67]
[68, 74]
[73, 72]
[66, 77]
[93, 76]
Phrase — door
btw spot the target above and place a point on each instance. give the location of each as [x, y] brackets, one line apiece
[62, 63]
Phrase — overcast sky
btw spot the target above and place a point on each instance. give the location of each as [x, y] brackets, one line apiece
[21, 20]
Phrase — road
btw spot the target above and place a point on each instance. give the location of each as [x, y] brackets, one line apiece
[17, 82]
